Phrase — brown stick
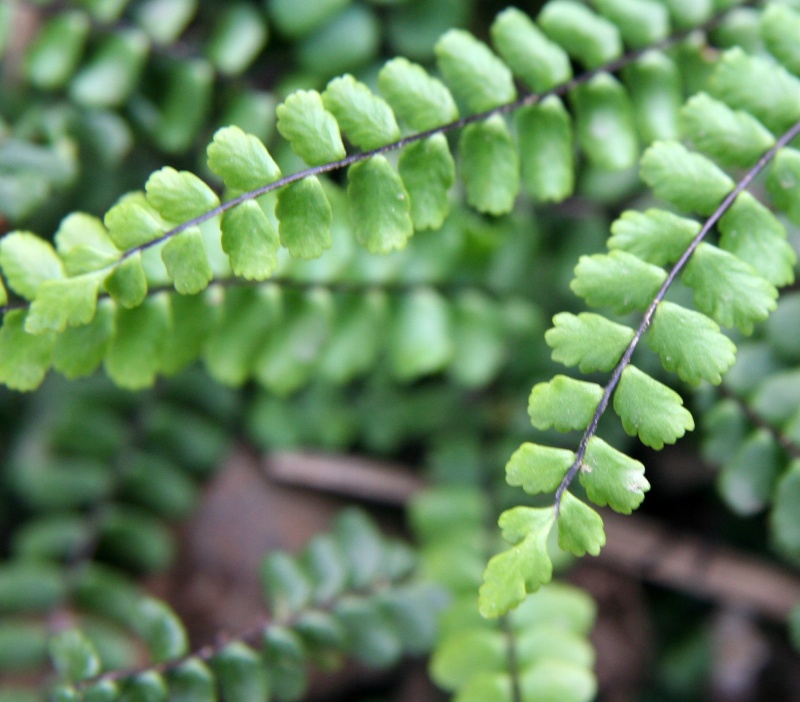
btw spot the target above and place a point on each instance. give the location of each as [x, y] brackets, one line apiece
[637, 546]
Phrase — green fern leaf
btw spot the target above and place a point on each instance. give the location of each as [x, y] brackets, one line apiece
[539, 62]
[309, 128]
[690, 13]
[105, 691]
[589, 341]
[191, 681]
[147, 685]
[3, 294]
[656, 89]
[421, 342]
[304, 218]
[127, 283]
[178, 196]
[758, 86]
[241, 160]
[84, 245]
[73, 655]
[780, 30]
[24, 358]
[752, 233]
[479, 351]
[419, 101]
[479, 80]
[232, 347]
[356, 338]
[296, 18]
[61, 303]
[656, 236]
[286, 587]
[467, 654]
[563, 403]
[784, 518]
[161, 630]
[640, 22]
[487, 687]
[544, 132]
[112, 73]
[52, 58]
[732, 137]
[562, 680]
[510, 575]
[590, 39]
[133, 357]
[690, 344]
[287, 357]
[78, 351]
[379, 205]
[580, 528]
[366, 120]
[130, 224]
[428, 172]
[783, 183]
[490, 166]
[747, 481]
[250, 241]
[238, 38]
[612, 478]
[604, 122]
[537, 468]
[27, 261]
[597, 280]
[650, 409]
[184, 256]
[688, 180]
[728, 289]
[241, 674]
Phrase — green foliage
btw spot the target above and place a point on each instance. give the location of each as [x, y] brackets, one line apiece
[211, 260]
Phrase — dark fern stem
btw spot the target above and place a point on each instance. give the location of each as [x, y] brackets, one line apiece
[625, 360]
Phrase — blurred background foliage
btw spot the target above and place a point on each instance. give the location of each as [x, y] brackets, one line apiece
[96, 94]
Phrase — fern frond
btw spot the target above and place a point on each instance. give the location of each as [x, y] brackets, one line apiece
[180, 232]
[541, 648]
[350, 593]
[688, 342]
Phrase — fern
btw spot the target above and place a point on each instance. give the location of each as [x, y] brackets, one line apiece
[216, 265]
[688, 342]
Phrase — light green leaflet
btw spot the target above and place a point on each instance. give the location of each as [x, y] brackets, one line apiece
[511, 574]
[597, 281]
[250, 241]
[650, 409]
[27, 261]
[479, 80]
[179, 196]
[366, 120]
[690, 344]
[686, 179]
[241, 160]
[490, 166]
[587, 340]
[537, 468]
[563, 403]
[580, 528]
[379, 205]
[728, 289]
[309, 128]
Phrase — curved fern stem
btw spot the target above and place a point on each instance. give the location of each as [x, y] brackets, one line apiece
[608, 391]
